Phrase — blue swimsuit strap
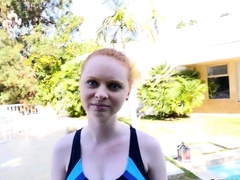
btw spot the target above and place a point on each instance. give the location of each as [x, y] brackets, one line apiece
[134, 152]
[75, 152]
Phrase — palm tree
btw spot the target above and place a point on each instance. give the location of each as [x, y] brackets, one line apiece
[119, 26]
[151, 27]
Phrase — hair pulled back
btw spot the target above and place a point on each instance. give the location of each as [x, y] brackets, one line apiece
[119, 56]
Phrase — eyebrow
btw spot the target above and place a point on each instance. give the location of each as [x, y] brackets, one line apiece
[110, 80]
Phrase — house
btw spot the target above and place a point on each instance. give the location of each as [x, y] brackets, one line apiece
[213, 49]
[218, 61]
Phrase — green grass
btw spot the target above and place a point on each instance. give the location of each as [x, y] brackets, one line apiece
[187, 174]
[195, 129]
[199, 127]
[192, 130]
[221, 126]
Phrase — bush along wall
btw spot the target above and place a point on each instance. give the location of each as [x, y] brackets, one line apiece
[168, 93]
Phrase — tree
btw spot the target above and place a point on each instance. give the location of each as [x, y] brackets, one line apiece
[122, 25]
[67, 90]
[34, 12]
[183, 24]
[192, 22]
[44, 32]
[21, 18]
[47, 55]
[17, 80]
[151, 27]
[30, 23]
[118, 27]
[10, 23]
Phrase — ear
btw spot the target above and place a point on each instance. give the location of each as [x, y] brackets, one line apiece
[127, 96]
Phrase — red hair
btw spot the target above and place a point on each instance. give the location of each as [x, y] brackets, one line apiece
[132, 73]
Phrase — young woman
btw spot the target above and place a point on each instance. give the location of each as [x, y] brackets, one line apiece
[107, 149]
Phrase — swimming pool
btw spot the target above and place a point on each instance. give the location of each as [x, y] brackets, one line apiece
[230, 170]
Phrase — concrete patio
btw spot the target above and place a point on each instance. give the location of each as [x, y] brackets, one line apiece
[27, 155]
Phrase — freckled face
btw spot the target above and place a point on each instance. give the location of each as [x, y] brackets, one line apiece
[104, 86]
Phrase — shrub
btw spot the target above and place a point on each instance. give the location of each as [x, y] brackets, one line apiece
[67, 91]
[168, 93]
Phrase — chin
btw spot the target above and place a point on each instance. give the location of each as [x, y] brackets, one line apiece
[101, 115]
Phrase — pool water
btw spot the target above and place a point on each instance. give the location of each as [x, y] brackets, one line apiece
[230, 170]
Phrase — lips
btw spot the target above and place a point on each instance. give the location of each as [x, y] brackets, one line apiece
[98, 106]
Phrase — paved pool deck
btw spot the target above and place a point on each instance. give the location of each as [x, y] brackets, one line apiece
[207, 154]
[27, 156]
[199, 164]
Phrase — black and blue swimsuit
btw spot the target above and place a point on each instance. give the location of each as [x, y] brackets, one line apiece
[134, 170]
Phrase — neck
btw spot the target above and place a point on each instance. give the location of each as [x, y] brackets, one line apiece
[102, 130]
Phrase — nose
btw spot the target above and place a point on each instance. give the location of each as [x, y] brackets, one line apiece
[101, 93]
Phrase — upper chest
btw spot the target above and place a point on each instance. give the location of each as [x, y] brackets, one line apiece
[107, 161]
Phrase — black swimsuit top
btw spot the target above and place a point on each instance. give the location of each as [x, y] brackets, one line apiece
[134, 170]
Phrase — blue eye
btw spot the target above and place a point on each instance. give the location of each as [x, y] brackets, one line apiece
[114, 86]
[92, 83]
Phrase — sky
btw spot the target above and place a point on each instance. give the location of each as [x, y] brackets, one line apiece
[173, 11]
[206, 12]
[93, 12]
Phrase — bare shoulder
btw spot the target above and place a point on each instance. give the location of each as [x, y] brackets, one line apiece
[61, 156]
[64, 144]
[152, 155]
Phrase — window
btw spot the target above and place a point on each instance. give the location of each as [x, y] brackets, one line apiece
[218, 82]
[238, 81]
